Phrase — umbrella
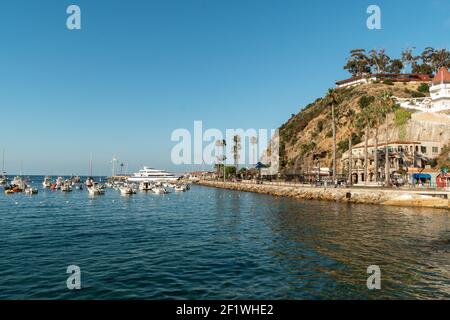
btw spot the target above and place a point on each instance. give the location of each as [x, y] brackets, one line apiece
[260, 165]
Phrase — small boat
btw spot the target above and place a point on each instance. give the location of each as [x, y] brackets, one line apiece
[89, 182]
[47, 183]
[145, 186]
[17, 181]
[3, 179]
[126, 190]
[160, 190]
[11, 190]
[96, 189]
[31, 191]
[66, 188]
[59, 182]
[180, 188]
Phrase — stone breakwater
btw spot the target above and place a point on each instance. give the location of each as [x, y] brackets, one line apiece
[396, 197]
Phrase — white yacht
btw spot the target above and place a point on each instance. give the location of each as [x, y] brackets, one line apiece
[150, 174]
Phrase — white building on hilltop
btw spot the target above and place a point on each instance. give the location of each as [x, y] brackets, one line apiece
[439, 99]
[440, 91]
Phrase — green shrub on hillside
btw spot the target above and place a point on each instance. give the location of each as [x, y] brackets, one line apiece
[343, 145]
[365, 101]
[401, 118]
[417, 94]
[389, 82]
[424, 88]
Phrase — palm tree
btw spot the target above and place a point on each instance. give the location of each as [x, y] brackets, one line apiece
[254, 142]
[377, 118]
[236, 148]
[365, 121]
[333, 99]
[350, 121]
[387, 106]
[223, 144]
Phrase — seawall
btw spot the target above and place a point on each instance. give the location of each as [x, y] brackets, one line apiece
[395, 197]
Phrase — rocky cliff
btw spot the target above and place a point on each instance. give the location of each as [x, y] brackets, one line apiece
[309, 132]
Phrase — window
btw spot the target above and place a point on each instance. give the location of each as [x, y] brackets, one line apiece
[423, 149]
[435, 150]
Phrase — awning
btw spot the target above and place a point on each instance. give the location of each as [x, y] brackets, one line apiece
[421, 176]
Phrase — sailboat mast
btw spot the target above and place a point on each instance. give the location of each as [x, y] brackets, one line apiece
[3, 162]
[90, 166]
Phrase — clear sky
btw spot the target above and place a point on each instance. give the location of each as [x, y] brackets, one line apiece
[137, 70]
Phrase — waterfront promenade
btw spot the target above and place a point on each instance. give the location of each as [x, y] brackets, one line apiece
[357, 194]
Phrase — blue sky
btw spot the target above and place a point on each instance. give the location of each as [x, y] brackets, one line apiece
[137, 70]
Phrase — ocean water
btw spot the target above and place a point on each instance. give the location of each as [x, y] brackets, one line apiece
[217, 244]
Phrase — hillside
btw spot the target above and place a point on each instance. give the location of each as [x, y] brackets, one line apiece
[309, 132]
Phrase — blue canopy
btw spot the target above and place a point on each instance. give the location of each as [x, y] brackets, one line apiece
[421, 176]
[260, 165]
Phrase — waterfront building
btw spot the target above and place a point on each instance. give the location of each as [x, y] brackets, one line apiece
[403, 157]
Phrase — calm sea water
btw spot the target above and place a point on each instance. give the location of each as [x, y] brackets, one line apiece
[217, 244]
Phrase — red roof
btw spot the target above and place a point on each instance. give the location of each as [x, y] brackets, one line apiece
[442, 76]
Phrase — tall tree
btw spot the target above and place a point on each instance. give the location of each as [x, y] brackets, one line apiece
[440, 58]
[333, 100]
[358, 64]
[395, 66]
[409, 59]
[235, 151]
[350, 121]
[387, 106]
[379, 60]
[365, 123]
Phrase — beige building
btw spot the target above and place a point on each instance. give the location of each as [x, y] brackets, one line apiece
[402, 155]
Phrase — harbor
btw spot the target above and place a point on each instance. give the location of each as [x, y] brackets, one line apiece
[211, 243]
[145, 180]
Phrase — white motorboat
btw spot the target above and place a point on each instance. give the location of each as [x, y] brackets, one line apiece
[180, 188]
[3, 179]
[96, 189]
[89, 182]
[31, 191]
[160, 190]
[146, 186]
[59, 182]
[67, 186]
[126, 190]
[150, 174]
[19, 182]
[47, 183]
